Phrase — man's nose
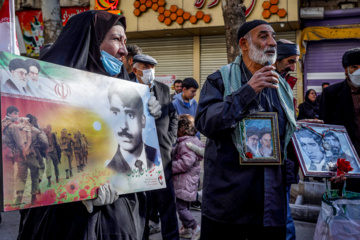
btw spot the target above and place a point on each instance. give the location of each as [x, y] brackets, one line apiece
[292, 67]
[272, 42]
[122, 122]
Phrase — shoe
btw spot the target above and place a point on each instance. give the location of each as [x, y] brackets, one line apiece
[185, 232]
[154, 228]
[195, 206]
[196, 233]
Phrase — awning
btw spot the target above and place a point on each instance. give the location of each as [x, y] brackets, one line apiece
[323, 33]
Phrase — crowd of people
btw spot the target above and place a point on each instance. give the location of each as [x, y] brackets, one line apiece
[249, 202]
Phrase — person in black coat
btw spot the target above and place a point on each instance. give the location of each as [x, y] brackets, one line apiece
[339, 105]
[310, 108]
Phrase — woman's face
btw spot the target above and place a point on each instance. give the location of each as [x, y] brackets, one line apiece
[312, 95]
[114, 42]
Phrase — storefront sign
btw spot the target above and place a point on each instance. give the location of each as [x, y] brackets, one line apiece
[106, 4]
[166, 79]
[200, 3]
[32, 27]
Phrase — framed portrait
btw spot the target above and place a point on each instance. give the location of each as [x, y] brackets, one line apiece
[319, 146]
[261, 139]
[66, 132]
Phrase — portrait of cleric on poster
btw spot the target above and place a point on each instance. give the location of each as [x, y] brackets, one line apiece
[319, 146]
[261, 139]
[66, 132]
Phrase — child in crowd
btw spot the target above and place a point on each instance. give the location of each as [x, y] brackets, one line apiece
[187, 154]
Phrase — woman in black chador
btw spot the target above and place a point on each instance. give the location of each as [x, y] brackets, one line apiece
[310, 108]
[79, 46]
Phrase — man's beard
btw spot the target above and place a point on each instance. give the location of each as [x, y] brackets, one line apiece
[285, 72]
[336, 151]
[21, 83]
[254, 150]
[266, 151]
[33, 84]
[259, 56]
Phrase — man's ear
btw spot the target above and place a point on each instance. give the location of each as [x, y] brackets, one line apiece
[131, 61]
[143, 121]
[346, 72]
[243, 44]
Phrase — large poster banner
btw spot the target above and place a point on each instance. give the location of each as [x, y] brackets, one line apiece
[31, 23]
[65, 132]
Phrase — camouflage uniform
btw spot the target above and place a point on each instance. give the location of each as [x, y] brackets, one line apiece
[85, 149]
[78, 152]
[53, 157]
[38, 141]
[66, 144]
[12, 152]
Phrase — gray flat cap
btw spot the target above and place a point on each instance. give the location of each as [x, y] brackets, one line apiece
[141, 58]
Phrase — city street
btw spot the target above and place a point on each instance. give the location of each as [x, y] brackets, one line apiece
[10, 225]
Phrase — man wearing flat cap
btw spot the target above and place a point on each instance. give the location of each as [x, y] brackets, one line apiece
[248, 202]
[340, 104]
[166, 127]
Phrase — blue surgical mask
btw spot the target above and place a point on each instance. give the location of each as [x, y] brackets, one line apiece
[111, 64]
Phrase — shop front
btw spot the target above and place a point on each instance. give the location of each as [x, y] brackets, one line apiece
[188, 37]
[324, 43]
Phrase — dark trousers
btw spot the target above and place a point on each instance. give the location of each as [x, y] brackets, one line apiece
[214, 230]
[163, 201]
[185, 216]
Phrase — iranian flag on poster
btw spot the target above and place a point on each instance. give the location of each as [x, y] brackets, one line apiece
[8, 41]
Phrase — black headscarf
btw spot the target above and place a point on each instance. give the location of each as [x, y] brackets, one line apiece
[78, 45]
[308, 109]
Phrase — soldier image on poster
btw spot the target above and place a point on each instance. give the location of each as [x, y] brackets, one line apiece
[78, 151]
[40, 149]
[53, 155]
[12, 147]
[38, 142]
[85, 149]
[66, 144]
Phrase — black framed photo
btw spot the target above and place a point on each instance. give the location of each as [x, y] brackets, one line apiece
[261, 139]
[319, 146]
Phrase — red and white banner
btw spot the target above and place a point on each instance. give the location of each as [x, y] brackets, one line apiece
[8, 41]
[166, 79]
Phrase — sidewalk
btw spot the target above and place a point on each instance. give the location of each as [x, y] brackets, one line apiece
[10, 226]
